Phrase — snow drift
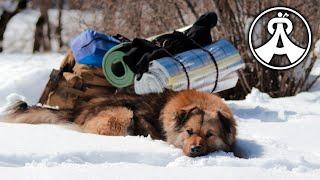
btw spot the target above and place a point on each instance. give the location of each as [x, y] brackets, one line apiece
[279, 137]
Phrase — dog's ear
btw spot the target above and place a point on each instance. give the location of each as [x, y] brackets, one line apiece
[228, 127]
[189, 107]
[180, 119]
[183, 114]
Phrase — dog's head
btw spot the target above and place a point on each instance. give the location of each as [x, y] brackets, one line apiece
[199, 123]
[201, 131]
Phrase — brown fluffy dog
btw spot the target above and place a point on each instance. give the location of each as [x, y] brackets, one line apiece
[196, 122]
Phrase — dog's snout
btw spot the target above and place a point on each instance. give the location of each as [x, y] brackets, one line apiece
[196, 149]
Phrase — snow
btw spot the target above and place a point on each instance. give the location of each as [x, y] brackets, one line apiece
[278, 137]
[25, 75]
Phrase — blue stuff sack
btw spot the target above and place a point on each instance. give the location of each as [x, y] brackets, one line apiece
[90, 46]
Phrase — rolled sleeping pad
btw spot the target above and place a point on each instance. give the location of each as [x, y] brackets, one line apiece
[115, 69]
[194, 68]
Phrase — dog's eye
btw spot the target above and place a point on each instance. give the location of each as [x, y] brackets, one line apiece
[209, 134]
[190, 132]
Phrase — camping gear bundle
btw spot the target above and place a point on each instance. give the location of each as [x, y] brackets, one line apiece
[177, 61]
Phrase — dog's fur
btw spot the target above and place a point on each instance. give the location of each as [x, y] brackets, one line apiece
[196, 122]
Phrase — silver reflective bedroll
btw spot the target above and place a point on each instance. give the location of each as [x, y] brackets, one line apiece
[168, 73]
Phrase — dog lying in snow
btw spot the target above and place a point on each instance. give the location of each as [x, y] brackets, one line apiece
[196, 122]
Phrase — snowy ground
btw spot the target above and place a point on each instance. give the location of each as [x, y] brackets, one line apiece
[278, 135]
